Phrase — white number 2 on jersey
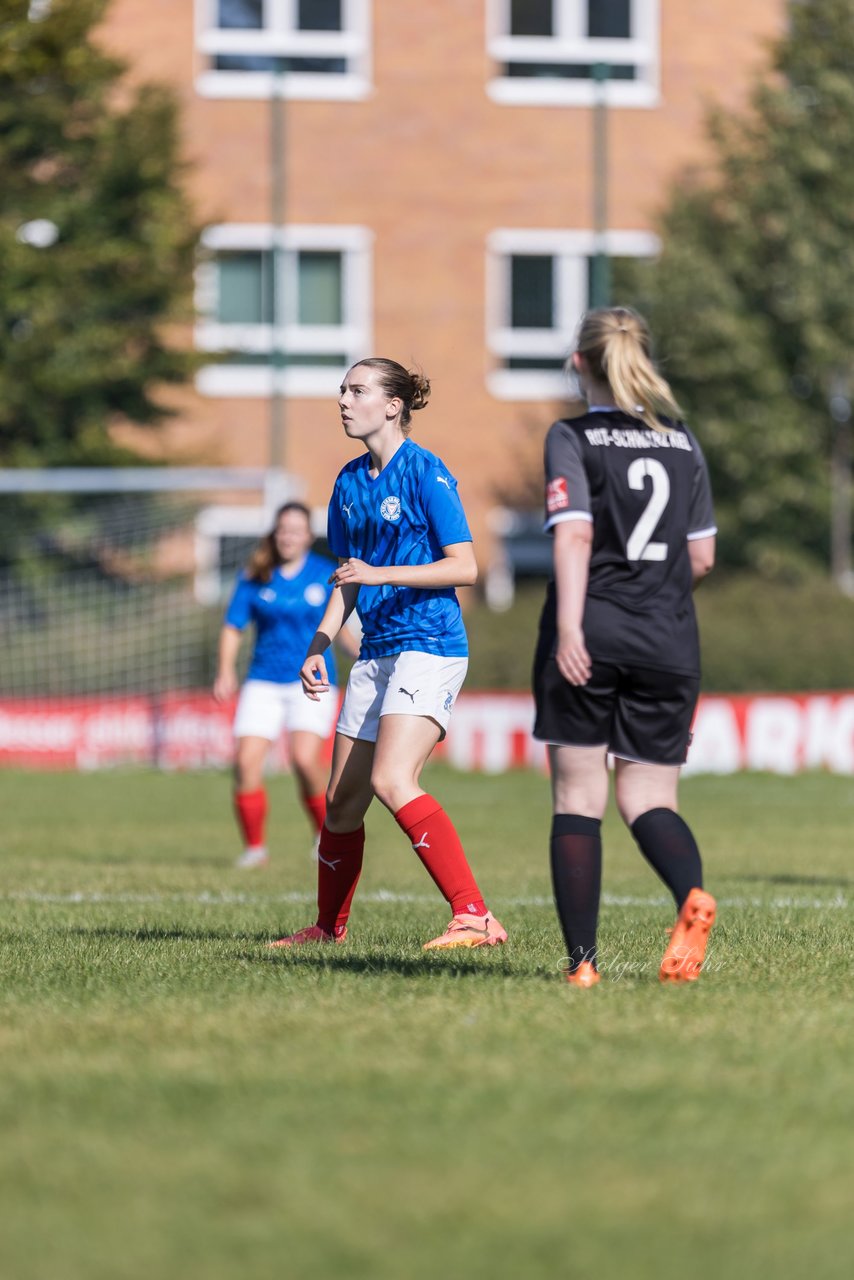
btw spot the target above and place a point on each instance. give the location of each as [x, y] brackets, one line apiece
[639, 546]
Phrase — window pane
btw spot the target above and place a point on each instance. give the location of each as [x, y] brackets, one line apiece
[319, 288]
[242, 15]
[319, 15]
[547, 363]
[286, 359]
[258, 62]
[245, 296]
[531, 18]
[564, 71]
[609, 18]
[531, 291]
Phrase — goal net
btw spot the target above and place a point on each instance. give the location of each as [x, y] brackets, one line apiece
[112, 587]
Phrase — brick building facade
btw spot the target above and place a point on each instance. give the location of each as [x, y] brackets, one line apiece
[436, 168]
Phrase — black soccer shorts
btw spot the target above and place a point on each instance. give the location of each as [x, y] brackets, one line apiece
[639, 713]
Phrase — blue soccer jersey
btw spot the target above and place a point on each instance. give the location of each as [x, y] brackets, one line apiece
[286, 613]
[403, 516]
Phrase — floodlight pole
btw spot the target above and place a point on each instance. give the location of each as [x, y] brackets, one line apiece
[278, 438]
[600, 276]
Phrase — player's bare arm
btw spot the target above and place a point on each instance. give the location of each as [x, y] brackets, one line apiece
[701, 553]
[348, 643]
[457, 568]
[313, 674]
[226, 682]
[573, 540]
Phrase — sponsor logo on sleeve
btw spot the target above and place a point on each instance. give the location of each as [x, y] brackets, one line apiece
[557, 495]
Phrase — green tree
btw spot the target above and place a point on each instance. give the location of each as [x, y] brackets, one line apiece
[752, 299]
[96, 240]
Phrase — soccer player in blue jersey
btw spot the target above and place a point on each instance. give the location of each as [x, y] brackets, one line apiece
[398, 528]
[283, 591]
[617, 667]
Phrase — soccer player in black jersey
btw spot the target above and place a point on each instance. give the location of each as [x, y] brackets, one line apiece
[617, 667]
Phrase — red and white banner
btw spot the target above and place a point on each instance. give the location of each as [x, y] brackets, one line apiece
[777, 733]
[76, 733]
[490, 732]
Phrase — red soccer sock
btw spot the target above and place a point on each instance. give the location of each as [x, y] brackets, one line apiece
[251, 810]
[339, 865]
[315, 807]
[435, 840]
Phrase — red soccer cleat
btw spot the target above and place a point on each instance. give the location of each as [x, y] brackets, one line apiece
[311, 933]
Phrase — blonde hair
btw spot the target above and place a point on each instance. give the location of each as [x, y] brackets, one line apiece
[410, 386]
[265, 559]
[616, 343]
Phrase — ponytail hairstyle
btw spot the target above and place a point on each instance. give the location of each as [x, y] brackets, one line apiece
[412, 387]
[265, 559]
[616, 343]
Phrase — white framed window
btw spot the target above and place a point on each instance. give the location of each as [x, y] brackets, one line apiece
[307, 332]
[292, 48]
[544, 51]
[538, 287]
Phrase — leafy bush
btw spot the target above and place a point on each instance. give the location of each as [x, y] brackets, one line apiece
[756, 636]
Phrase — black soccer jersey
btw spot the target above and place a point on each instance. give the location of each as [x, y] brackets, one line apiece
[647, 494]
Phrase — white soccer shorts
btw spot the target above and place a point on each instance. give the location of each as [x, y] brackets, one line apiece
[402, 684]
[265, 709]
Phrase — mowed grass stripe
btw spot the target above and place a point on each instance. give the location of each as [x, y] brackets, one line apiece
[78, 897]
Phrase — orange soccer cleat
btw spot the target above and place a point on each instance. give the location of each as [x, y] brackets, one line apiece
[469, 931]
[584, 976]
[683, 959]
[311, 933]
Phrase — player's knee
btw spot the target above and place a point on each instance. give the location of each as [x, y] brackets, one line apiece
[575, 797]
[304, 766]
[628, 812]
[628, 801]
[247, 777]
[344, 810]
[387, 787]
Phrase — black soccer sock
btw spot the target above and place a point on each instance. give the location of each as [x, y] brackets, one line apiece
[576, 857]
[666, 841]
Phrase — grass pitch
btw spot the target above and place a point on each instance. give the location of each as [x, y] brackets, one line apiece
[178, 1101]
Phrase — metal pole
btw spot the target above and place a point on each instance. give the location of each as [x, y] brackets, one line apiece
[839, 404]
[600, 276]
[277, 211]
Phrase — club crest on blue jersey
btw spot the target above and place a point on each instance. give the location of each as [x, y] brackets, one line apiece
[314, 595]
[390, 508]
[268, 594]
